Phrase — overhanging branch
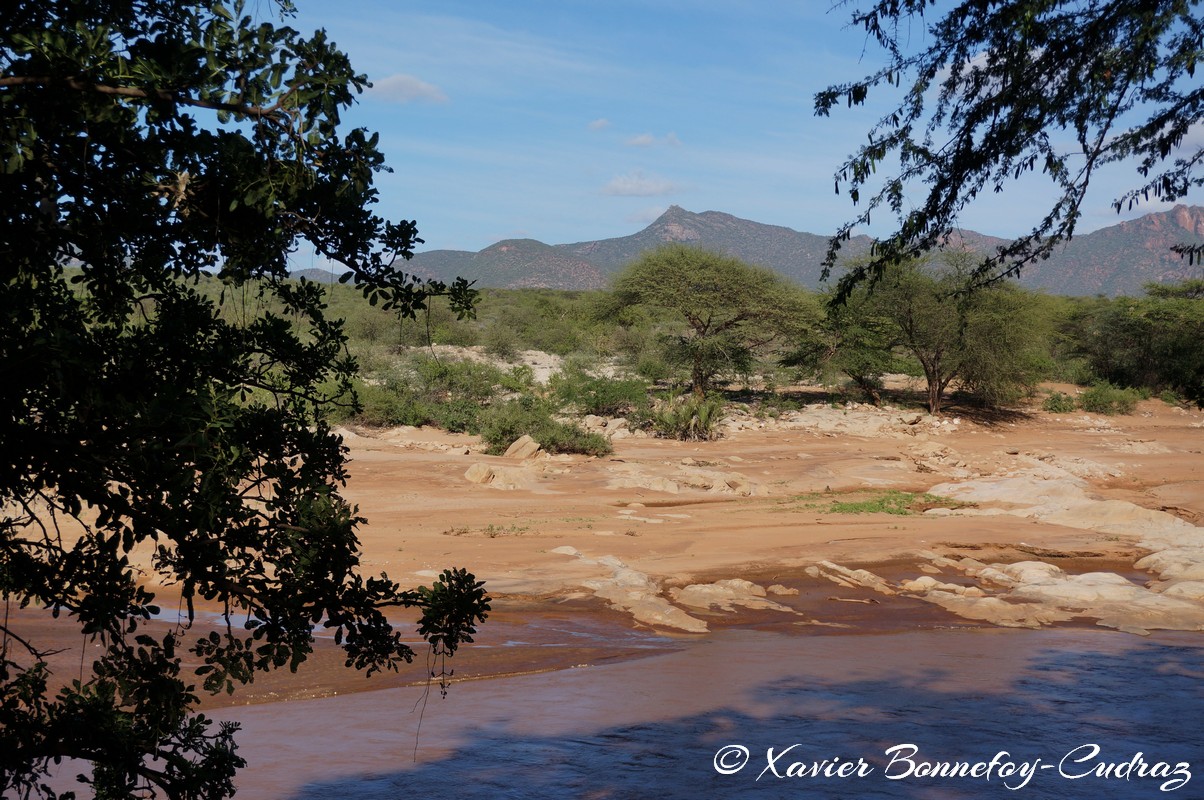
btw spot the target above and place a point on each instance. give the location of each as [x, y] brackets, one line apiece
[276, 111]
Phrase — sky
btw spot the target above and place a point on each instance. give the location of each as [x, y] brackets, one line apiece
[569, 121]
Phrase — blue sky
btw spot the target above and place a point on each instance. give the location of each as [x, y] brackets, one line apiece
[568, 120]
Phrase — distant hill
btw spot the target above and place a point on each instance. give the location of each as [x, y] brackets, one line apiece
[794, 254]
[1116, 260]
[1122, 258]
[318, 275]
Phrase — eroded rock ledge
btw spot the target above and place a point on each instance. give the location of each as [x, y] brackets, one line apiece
[1034, 593]
[641, 596]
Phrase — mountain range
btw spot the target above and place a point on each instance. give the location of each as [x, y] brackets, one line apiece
[1117, 260]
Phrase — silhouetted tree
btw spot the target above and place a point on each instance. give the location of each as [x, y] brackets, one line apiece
[160, 158]
[1003, 89]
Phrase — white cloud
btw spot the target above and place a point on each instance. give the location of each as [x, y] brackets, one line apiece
[401, 88]
[648, 140]
[637, 184]
[599, 124]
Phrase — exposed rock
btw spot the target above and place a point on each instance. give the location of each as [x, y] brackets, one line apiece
[639, 595]
[523, 447]
[780, 590]
[998, 611]
[725, 595]
[479, 473]
[497, 477]
[719, 482]
[1177, 546]
[927, 583]
[641, 481]
[850, 578]
[935, 457]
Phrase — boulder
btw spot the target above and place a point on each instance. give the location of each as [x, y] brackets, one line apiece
[479, 473]
[505, 478]
[522, 448]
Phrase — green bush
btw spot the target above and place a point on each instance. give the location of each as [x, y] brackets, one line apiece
[388, 404]
[501, 424]
[688, 418]
[589, 394]
[448, 378]
[456, 415]
[1171, 397]
[653, 367]
[519, 378]
[501, 342]
[1104, 398]
[449, 394]
[1059, 403]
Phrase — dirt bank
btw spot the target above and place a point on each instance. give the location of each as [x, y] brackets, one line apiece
[594, 559]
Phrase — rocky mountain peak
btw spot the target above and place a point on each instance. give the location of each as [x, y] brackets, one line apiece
[1113, 260]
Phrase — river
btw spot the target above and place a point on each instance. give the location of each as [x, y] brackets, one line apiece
[1063, 713]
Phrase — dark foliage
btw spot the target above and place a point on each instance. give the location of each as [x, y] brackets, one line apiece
[156, 155]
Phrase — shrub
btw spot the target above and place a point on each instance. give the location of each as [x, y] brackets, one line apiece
[501, 342]
[1059, 403]
[1104, 398]
[456, 415]
[503, 423]
[387, 404]
[449, 378]
[1171, 397]
[589, 394]
[653, 367]
[449, 394]
[688, 418]
[519, 378]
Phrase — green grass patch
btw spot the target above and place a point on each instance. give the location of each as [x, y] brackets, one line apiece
[889, 501]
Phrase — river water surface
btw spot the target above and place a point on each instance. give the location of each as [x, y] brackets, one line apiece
[1039, 714]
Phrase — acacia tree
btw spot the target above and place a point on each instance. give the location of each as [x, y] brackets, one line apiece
[1011, 87]
[730, 309]
[988, 342]
[856, 338]
[1156, 341]
[160, 157]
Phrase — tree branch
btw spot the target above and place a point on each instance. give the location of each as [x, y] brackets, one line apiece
[276, 111]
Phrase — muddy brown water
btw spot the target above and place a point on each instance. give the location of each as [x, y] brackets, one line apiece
[749, 713]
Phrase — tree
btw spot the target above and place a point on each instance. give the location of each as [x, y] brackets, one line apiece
[1008, 88]
[987, 341]
[161, 159]
[1156, 341]
[855, 338]
[730, 310]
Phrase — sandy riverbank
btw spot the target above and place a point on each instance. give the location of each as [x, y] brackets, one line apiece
[596, 559]
[657, 537]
